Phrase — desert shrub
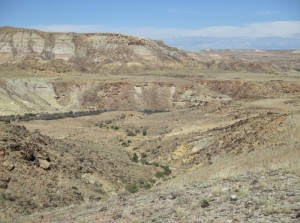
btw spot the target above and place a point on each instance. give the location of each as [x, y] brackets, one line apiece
[270, 210]
[51, 116]
[108, 122]
[100, 125]
[125, 144]
[135, 158]
[115, 127]
[147, 186]
[141, 181]
[153, 181]
[144, 132]
[145, 162]
[159, 174]
[155, 164]
[132, 188]
[167, 170]
[144, 155]
[153, 111]
[130, 133]
[204, 203]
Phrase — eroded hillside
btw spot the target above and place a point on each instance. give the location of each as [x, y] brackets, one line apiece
[39, 173]
[32, 51]
[103, 52]
[49, 96]
[44, 95]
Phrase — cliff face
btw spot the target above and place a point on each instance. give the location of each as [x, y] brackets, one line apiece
[33, 49]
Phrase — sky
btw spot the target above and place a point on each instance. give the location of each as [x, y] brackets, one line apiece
[186, 24]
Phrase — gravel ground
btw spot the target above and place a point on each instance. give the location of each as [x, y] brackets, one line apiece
[271, 196]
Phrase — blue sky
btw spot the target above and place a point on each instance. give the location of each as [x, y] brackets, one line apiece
[187, 24]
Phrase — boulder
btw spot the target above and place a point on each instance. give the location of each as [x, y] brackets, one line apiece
[8, 165]
[44, 164]
[233, 197]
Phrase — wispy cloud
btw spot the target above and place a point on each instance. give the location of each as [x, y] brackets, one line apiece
[234, 43]
[271, 35]
[255, 30]
[263, 13]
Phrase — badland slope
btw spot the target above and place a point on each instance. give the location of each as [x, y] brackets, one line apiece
[48, 52]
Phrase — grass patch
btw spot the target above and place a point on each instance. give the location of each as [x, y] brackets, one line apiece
[270, 209]
[217, 192]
